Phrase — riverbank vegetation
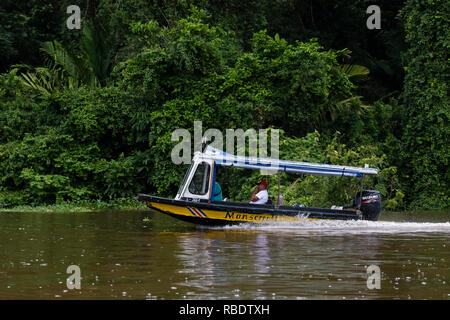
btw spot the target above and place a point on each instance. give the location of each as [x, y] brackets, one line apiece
[87, 115]
[126, 204]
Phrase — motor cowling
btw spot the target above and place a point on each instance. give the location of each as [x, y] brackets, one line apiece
[369, 203]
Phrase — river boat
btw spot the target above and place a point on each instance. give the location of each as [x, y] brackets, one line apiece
[195, 203]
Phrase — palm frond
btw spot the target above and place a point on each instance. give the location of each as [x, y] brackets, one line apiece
[75, 68]
[38, 82]
[97, 50]
[354, 70]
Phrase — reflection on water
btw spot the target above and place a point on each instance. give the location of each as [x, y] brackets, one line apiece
[121, 256]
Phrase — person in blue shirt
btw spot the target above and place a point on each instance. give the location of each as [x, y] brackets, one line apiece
[217, 192]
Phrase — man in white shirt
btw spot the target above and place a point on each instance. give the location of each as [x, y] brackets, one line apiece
[260, 194]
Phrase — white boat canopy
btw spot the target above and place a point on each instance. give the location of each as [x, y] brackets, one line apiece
[222, 158]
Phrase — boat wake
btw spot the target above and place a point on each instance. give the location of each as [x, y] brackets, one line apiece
[347, 226]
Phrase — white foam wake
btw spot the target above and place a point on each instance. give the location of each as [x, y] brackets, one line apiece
[349, 226]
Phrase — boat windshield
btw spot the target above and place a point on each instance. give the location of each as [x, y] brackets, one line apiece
[200, 181]
[186, 176]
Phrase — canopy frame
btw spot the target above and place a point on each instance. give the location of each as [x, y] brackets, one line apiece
[222, 158]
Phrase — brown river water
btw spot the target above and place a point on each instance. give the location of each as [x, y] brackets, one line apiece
[146, 255]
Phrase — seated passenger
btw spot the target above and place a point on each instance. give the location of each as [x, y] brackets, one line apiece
[260, 194]
[217, 192]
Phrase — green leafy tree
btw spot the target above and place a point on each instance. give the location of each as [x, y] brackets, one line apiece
[425, 143]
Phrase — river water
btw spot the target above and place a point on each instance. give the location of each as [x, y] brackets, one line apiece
[146, 255]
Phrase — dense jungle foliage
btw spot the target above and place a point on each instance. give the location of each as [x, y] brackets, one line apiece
[88, 114]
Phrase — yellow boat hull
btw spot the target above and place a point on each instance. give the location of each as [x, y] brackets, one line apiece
[220, 216]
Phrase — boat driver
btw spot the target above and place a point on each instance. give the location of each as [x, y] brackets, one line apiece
[260, 194]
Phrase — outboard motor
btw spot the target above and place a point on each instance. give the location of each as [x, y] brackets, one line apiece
[369, 202]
